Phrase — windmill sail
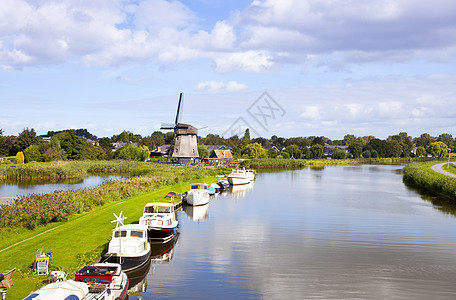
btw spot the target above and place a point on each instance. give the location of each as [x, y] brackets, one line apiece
[184, 137]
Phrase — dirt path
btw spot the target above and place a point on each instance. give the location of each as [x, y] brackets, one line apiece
[438, 168]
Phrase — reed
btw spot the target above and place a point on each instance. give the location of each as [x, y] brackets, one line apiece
[273, 163]
[38, 210]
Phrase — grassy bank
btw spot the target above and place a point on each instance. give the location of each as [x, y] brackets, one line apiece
[79, 241]
[300, 163]
[422, 175]
[38, 210]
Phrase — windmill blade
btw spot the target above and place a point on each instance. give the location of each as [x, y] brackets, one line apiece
[167, 126]
[179, 109]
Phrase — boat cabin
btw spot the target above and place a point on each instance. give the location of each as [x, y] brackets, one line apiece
[97, 274]
[199, 186]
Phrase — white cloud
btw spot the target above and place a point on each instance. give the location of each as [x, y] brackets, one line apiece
[250, 61]
[215, 86]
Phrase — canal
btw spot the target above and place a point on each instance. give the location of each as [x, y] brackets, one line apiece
[345, 232]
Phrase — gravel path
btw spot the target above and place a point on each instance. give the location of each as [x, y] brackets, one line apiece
[438, 168]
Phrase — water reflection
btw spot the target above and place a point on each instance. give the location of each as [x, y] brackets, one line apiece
[11, 189]
[239, 191]
[197, 213]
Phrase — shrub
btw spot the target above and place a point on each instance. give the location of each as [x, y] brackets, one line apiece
[20, 158]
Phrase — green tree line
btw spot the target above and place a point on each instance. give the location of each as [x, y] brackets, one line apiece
[80, 144]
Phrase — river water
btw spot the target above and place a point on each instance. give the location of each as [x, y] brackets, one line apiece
[345, 232]
[13, 189]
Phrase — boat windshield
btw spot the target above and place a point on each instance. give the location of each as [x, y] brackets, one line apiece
[136, 233]
[199, 187]
[122, 233]
[149, 209]
[157, 209]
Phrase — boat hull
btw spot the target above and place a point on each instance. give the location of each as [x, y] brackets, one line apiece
[161, 234]
[238, 180]
[196, 199]
[129, 263]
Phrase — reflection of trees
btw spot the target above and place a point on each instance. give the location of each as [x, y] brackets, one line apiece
[439, 202]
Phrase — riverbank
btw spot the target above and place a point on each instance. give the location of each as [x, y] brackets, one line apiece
[301, 163]
[423, 175]
[75, 243]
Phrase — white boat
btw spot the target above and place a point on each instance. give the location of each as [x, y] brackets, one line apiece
[241, 176]
[101, 281]
[198, 194]
[129, 247]
[160, 220]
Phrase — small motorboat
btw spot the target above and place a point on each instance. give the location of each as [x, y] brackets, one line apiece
[241, 176]
[160, 219]
[223, 183]
[198, 194]
[129, 247]
[100, 281]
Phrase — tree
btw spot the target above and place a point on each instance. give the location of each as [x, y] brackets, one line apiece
[294, 151]
[420, 151]
[319, 140]
[447, 139]
[131, 152]
[424, 140]
[355, 148]
[306, 153]
[272, 153]
[203, 151]
[93, 152]
[339, 154]
[32, 153]
[72, 144]
[254, 150]
[2, 143]
[348, 139]
[438, 149]
[317, 151]
[395, 148]
[26, 138]
[243, 143]
[366, 154]
[374, 153]
[20, 158]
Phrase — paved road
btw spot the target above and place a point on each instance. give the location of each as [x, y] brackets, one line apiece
[438, 168]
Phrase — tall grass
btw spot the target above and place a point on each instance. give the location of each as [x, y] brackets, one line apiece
[273, 163]
[422, 175]
[37, 210]
[58, 170]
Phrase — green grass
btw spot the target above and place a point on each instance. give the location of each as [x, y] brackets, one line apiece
[451, 168]
[75, 243]
[422, 175]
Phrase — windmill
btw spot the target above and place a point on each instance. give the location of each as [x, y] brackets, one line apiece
[184, 138]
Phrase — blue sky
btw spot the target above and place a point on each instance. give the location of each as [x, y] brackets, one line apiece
[376, 67]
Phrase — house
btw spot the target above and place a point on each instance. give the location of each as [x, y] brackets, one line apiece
[215, 147]
[330, 148]
[219, 157]
[160, 151]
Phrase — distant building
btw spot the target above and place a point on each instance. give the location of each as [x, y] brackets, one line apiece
[329, 149]
[161, 151]
[219, 157]
[118, 145]
[276, 148]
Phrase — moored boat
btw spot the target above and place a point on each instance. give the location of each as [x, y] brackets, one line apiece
[129, 247]
[100, 281]
[198, 194]
[160, 219]
[241, 176]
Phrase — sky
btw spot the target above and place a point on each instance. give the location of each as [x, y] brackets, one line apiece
[288, 68]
